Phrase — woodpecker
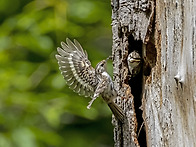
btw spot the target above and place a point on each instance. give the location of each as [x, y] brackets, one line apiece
[83, 79]
[134, 63]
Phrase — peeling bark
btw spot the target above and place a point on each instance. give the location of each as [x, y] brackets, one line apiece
[125, 16]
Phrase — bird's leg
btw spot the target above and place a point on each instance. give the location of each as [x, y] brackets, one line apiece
[97, 92]
[100, 88]
[91, 102]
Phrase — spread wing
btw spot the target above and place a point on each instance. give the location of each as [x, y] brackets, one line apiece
[76, 68]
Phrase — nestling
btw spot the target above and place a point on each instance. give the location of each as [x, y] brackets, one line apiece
[134, 63]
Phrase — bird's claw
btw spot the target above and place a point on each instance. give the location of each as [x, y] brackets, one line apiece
[108, 58]
[90, 103]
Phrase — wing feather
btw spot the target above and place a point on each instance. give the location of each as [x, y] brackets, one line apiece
[62, 52]
[76, 68]
[77, 44]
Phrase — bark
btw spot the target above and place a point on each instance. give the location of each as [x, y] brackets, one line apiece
[169, 101]
[126, 28]
[167, 42]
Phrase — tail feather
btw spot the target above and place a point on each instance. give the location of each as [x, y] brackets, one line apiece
[117, 111]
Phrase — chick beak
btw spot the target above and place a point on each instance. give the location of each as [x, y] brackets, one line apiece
[134, 60]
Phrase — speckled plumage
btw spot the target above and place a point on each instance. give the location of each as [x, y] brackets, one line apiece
[83, 79]
[134, 63]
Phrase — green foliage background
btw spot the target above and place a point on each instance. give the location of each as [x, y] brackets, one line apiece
[37, 109]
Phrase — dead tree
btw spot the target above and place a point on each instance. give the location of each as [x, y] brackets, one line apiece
[163, 95]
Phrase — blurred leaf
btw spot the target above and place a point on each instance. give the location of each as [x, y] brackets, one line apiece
[48, 137]
[36, 106]
[4, 142]
[23, 137]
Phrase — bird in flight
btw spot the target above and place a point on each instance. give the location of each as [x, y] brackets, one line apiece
[85, 80]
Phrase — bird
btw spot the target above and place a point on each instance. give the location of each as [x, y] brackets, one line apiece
[85, 80]
[134, 63]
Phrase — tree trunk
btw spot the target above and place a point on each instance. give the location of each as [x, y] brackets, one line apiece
[163, 95]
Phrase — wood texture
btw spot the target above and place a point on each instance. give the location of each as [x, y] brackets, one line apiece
[169, 101]
[125, 16]
[167, 32]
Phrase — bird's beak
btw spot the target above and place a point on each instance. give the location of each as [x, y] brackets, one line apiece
[135, 60]
[108, 58]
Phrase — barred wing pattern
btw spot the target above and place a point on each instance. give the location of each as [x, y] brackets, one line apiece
[76, 68]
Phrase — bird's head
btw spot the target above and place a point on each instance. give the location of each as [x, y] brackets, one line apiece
[101, 67]
[134, 59]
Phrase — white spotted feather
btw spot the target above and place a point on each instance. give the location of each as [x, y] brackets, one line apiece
[76, 68]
